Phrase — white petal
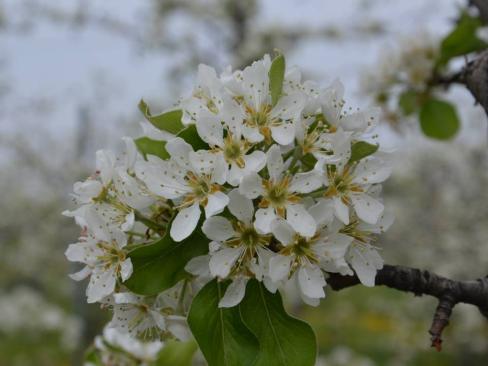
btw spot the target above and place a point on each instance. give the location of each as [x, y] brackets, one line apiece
[218, 228]
[289, 107]
[240, 206]
[279, 267]
[322, 212]
[126, 269]
[367, 208]
[158, 319]
[282, 231]
[180, 150]
[198, 266]
[210, 129]
[102, 283]
[264, 218]
[366, 261]
[203, 161]
[370, 171]
[222, 261]
[275, 162]
[185, 222]
[306, 182]
[216, 203]
[311, 281]
[284, 133]
[383, 224]
[105, 165]
[251, 186]
[255, 161]
[88, 189]
[81, 275]
[341, 210]
[252, 134]
[127, 298]
[298, 217]
[130, 153]
[234, 293]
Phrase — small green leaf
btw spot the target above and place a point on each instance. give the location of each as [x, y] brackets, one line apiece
[362, 149]
[161, 265]
[283, 340]
[220, 332]
[148, 146]
[176, 353]
[191, 136]
[276, 77]
[462, 39]
[438, 119]
[168, 121]
[408, 102]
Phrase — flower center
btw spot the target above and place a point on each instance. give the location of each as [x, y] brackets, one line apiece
[341, 184]
[302, 249]
[277, 195]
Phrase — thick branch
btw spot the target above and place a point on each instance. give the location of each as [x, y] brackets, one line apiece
[420, 282]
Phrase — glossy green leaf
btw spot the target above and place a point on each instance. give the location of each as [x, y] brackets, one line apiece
[362, 149]
[176, 353]
[161, 265]
[439, 119]
[276, 77]
[283, 340]
[408, 102]
[148, 146]
[220, 332]
[190, 135]
[462, 39]
[168, 121]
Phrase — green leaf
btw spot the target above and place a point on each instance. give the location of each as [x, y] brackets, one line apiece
[176, 353]
[161, 265]
[148, 146]
[462, 39]
[408, 102]
[362, 149]
[168, 121]
[276, 77]
[191, 136]
[220, 332]
[284, 340]
[438, 119]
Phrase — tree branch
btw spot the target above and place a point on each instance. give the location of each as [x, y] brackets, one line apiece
[421, 282]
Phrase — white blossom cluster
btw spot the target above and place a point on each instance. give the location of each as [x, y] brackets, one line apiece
[283, 192]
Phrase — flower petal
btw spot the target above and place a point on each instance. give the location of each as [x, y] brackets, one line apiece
[367, 208]
[282, 231]
[185, 222]
[279, 267]
[284, 133]
[180, 150]
[102, 283]
[198, 266]
[126, 269]
[264, 218]
[216, 203]
[275, 162]
[251, 186]
[218, 228]
[371, 171]
[210, 129]
[234, 293]
[306, 182]
[240, 206]
[341, 210]
[311, 281]
[322, 212]
[299, 218]
[365, 261]
[223, 260]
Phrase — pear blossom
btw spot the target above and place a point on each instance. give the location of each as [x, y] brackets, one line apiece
[106, 263]
[348, 185]
[190, 179]
[280, 194]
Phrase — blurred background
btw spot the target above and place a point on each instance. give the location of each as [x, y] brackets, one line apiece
[71, 76]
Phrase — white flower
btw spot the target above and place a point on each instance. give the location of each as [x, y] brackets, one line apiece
[148, 317]
[106, 261]
[237, 247]
[231, 146]
[349, 185]
[280, 194]
[362, 255]
[191, 179]
[250, 88]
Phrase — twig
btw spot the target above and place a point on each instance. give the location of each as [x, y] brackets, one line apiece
[421, 282]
